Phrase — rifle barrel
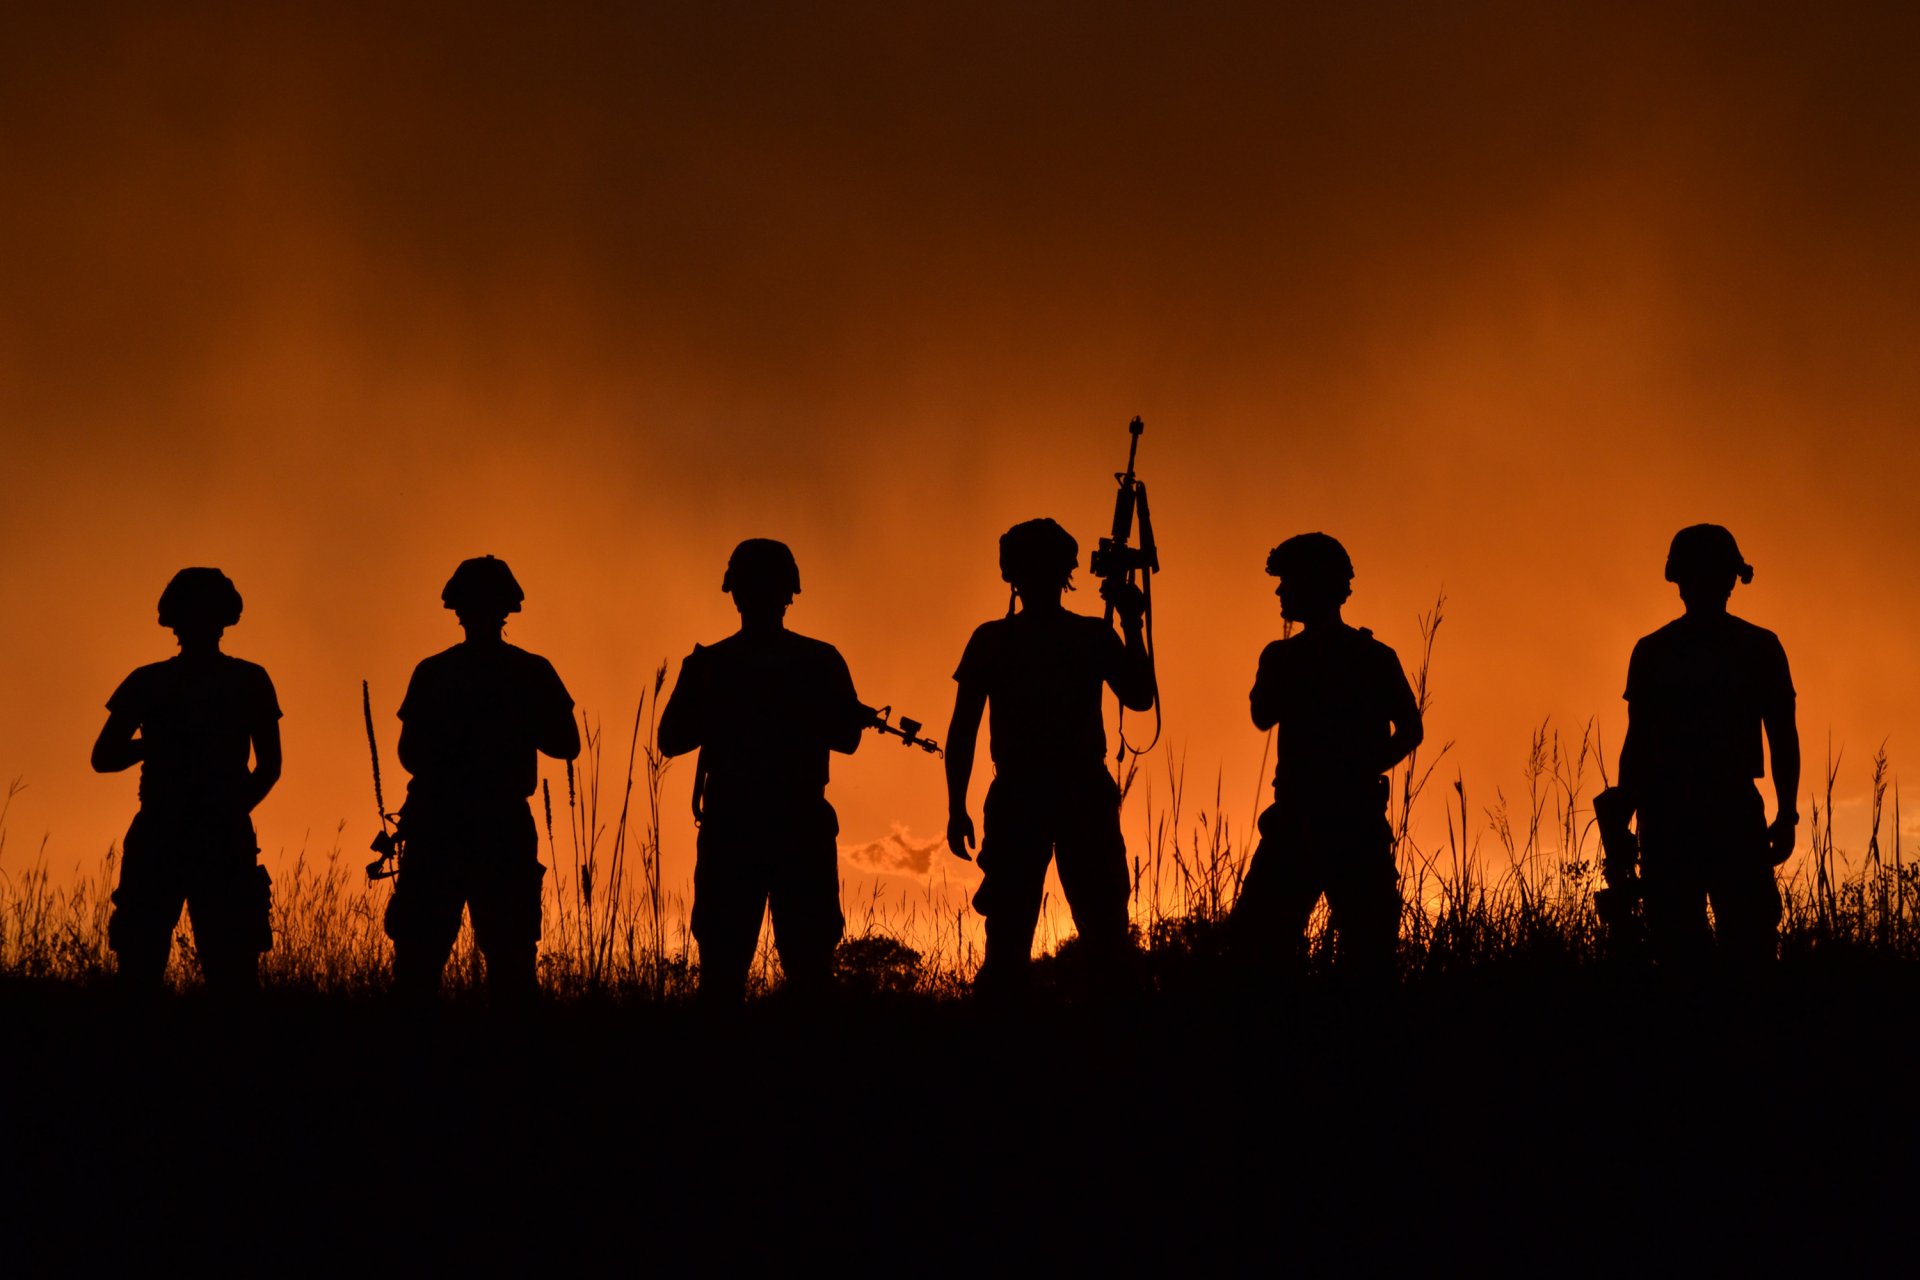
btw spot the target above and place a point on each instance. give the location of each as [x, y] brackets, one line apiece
[373, 750]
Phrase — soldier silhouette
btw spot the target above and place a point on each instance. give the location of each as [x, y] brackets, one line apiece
[764, 707]
[473, 723]
[1040, 673]
[197, 716]
[1700, 692]
[1344, 716]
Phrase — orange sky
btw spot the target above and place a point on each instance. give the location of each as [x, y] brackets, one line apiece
[1498, 295]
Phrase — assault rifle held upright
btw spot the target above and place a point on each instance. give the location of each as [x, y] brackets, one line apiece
[1117, 556]
[389, 844]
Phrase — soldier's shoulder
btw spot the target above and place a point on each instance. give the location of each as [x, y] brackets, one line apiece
[990, 631]
[250, 678]
[142, 678]
[1091, 624]
[528, 658]
[531, 671]
[1752, 632]
[1364, 639]
[1663, 637]
[434, 663]
[801, 640]
[148, 671]
[246, 670]
[815, 651]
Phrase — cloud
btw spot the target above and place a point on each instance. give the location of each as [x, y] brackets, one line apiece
[898, 854]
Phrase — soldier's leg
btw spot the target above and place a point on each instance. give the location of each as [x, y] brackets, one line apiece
[504, 903]
[729, 901]
[1092, 857]
[1677, 837]
[423, 917]
[1267, 931]
[804, 899]
[1741, 885]
[1363, 895]
[1675, 897]
[1746, 916]
[231, 906]
[1015, 848]
[146, 906]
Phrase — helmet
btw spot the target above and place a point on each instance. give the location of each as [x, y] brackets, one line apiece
[764, 563]
[1314, 558]
[482, 585]
[1038, 551]
[204, 597]
[1705, 551]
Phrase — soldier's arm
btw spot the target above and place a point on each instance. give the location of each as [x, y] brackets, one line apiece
[1632, 750]
[848, 717]
[412, 750]
[963, 733]
[1783, 748]
[418, 743]
[1408, 730]
[558, 734]
[1630, 753]
[1783, 745]
[1132, 676]
[116, 748]
[680, 729]
[1262, 701]
[415, 748]
[266, 761]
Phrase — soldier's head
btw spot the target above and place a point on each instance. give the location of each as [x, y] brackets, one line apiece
[481, 593]
[762, 577]
[1704, 561]
[199, 604]
[1038, 557]
[1316, 576]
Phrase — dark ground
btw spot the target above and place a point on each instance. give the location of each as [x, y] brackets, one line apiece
[1601, 1125]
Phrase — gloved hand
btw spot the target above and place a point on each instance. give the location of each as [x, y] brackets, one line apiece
[1127, 600]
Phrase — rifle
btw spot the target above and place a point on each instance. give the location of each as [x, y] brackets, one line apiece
[389, 844]
[875, 718]
[1117, 557]
[1620, 850]
[908, 731]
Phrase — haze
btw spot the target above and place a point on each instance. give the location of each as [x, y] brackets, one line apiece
[1499, 295]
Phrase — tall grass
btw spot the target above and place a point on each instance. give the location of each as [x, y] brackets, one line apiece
[1512, 884]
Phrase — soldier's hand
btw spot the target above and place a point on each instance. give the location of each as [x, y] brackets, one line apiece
[960, 835]
[1127, 600]
[1780, 836]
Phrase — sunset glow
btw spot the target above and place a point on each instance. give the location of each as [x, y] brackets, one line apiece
[1500, 300]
